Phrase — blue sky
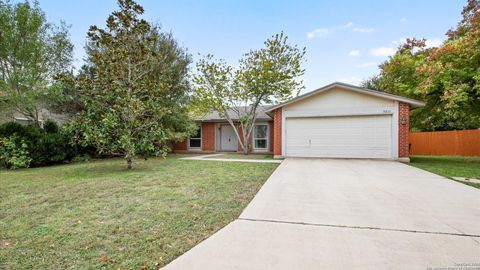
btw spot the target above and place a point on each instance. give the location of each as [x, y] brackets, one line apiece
[345, 40]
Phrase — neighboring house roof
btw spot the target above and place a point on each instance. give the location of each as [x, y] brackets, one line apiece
[214, 116]
[414, 103]
[43, 115]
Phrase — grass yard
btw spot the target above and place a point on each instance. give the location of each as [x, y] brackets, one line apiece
[242, 156]
[97, 214]
[449, 166]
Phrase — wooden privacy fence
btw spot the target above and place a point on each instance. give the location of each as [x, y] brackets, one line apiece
[447, 143]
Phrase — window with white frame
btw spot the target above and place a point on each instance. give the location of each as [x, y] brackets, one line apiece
[260, 136]
[195, 140]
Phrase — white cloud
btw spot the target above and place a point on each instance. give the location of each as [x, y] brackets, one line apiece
[382, 51]
[366, 65]
[319, 32]
[399, 41]
[324, 31]
[433, 43]
[351, 80]
[363, 30]
[403, 20]
[354, 53]
[348, 25]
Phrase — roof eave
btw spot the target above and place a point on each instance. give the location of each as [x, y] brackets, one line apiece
[234, 120]
[414, 103]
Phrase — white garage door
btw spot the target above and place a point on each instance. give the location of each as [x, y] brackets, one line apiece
[339, 137]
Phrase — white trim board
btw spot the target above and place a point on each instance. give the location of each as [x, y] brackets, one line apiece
[414, 103]
[341, 112]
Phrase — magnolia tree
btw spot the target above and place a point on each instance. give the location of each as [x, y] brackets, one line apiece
[135, 93]
[264, 76]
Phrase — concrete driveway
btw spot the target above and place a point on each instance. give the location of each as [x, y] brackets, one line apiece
[348, 214]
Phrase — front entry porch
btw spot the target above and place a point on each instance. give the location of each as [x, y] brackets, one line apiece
[212, 137]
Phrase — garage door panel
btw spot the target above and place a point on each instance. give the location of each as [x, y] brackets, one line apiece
[348, 136]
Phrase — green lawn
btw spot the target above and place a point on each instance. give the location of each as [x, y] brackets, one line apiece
[242, 156]
[449, 166]
[98, 215]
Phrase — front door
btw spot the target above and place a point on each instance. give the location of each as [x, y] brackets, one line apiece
[228, 139]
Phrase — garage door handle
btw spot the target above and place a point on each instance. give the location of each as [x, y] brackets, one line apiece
[309, 142]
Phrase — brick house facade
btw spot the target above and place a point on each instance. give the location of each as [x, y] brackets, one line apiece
[338, 120]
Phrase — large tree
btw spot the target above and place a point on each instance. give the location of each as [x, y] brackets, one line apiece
[447, 77]
[134, 102]
[264, 76]
[65, 97]
[32, 51]
[372, 82]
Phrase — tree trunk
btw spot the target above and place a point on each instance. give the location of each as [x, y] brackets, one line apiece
[36, 118]
[245, 143]
[128, 157]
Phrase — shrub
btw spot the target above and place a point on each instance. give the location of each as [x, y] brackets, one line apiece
[50, 126]
[83, 158]
[13, 155]
[46, 146]
[9, 128]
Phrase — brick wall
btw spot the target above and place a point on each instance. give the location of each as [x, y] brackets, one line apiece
[270, 147]
[270, 137]
[180, 146]
[403, 129]
[208, 139]
[208, 136]
[277, 132]
[239, 147]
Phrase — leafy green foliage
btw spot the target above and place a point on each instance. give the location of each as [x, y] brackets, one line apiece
[447, 78]
[65, 95]
[372, 82]
[14, 155]
[135, 93]
[32, 51]
[50, 126]
[267, 75]
[43, 146]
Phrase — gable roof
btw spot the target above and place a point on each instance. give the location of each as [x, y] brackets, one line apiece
[215, 116]
[414, 103]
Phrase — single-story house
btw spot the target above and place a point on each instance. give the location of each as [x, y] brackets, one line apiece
[43, 115]
[336, 121]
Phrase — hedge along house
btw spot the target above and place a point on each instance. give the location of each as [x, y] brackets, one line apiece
[336, 121]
